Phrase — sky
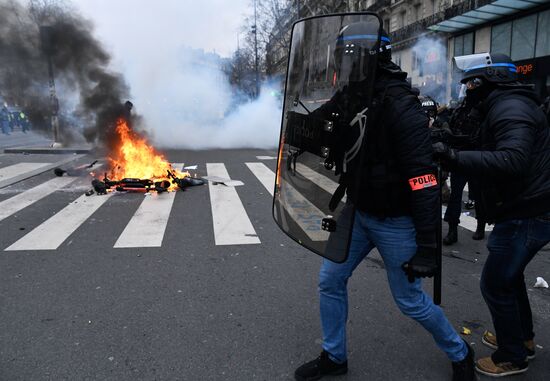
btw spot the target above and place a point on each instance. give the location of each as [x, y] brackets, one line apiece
[133, 28]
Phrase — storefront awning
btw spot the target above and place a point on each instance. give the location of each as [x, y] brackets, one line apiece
[494, 10]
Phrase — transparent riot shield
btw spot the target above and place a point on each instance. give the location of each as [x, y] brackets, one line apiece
[328, 93]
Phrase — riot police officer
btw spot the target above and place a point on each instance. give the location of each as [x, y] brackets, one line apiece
[512, 166]
[395, 193]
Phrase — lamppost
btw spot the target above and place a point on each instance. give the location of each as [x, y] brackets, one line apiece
[255, 31]
[49, 50]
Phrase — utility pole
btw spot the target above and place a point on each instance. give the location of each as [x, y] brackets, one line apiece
[255, 30]
[49, 50]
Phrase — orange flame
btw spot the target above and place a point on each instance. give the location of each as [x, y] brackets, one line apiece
[134, 158]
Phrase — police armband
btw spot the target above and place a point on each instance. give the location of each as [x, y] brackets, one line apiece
[424, 181]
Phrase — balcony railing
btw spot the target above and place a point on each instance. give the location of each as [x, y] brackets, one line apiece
[421, 26]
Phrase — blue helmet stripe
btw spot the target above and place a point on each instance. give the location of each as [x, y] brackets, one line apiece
[510, 67]
[363, 37]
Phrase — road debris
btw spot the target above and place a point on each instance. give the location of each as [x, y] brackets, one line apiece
[222, 180]
[466, 331]
[541, 283]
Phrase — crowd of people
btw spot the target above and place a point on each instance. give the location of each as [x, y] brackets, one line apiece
[12, 119]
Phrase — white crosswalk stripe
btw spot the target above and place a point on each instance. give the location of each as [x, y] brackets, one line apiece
[20, 171]
[264, 174]
[12, 171]
[307, 215]
[148, 224]
[322, 181]
[53, 232]
[231, 223]
[304, 213]
[22, 200]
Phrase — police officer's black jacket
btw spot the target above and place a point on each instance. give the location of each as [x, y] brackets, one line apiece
[398, 150]
[513, 161]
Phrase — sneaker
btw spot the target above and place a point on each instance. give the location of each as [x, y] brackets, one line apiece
[490, 340]
[470, 204]
[464, 370]
[487, 367]
[320, 367]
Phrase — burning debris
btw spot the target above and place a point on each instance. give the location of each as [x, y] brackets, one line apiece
[135, 166]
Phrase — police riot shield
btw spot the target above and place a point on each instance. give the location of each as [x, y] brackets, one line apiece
[328, 94]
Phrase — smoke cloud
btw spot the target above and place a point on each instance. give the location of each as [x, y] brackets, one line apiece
[182, 95]
[432, 61]
[190, 104]
[90, 95]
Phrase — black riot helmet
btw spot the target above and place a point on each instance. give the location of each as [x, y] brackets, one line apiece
[492, 67]
[356, 46]
[429, 105]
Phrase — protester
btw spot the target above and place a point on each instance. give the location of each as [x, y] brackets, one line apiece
[512, 167]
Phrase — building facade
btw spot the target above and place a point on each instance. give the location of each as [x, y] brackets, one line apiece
[519, 29]
[426, 34]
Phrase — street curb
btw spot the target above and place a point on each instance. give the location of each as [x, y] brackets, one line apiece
[38, 171]
[47, 150]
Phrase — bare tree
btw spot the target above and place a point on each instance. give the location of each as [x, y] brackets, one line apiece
[45, 11]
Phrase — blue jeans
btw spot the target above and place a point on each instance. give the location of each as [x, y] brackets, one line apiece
[395, 240]
[512, 245]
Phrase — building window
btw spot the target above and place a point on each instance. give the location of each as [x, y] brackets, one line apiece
[501, 38]
[464, 44]
[543, 37]
[524, 32]
[418, 12]
[468, 43]
[387, 25]
[402, 19]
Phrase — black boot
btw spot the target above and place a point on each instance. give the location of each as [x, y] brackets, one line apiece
[320, 367]
[480, 231]
[465, 370]
[452, 235]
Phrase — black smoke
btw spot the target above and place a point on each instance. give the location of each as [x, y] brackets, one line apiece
[91, 96]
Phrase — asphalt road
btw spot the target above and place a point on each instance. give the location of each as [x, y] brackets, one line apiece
[194, 310]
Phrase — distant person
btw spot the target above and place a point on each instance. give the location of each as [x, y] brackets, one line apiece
[5, 119]
[464, 124]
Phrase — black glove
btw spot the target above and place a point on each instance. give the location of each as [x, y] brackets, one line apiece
[422, 264]
[445, 153]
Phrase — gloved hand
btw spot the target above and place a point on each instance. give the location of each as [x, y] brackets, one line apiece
[422, 264]
[445, 153]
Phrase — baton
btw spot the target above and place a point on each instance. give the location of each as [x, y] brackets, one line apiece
[439, 251]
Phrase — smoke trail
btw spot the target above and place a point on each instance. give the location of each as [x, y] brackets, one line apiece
[90, 95]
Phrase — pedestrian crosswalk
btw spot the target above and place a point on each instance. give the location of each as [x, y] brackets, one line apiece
[231, 223]
[17, 172]
[229, 218]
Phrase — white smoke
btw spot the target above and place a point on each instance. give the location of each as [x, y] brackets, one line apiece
[190, 104]
[432, 62]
